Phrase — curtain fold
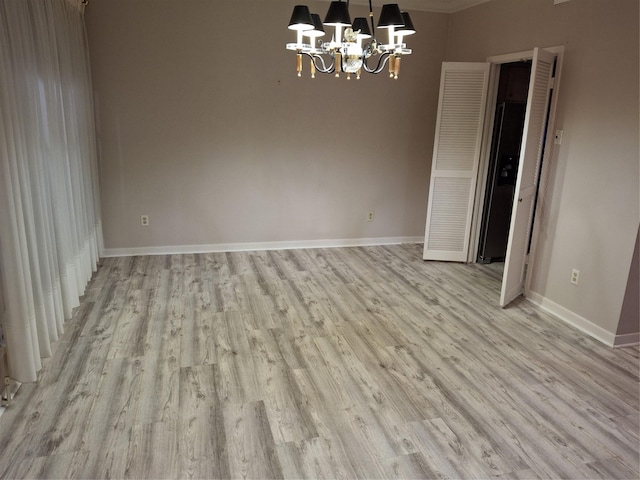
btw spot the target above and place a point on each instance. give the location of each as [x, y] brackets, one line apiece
[50, 226]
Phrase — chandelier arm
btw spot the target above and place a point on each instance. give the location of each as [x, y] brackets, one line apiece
[382, 62]
[370, 49]
[318, 62]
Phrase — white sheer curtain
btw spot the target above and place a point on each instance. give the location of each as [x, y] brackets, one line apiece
[50, 228]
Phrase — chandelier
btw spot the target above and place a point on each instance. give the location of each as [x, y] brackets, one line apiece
[347, 51]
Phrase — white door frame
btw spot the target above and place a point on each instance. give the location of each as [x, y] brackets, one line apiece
[481, 187]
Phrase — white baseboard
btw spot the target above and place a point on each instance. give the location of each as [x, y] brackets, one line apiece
[572, 319]
[248, 247]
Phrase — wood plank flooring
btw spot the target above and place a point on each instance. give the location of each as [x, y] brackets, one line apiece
[322, 363]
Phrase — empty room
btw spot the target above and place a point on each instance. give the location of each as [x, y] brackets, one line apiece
[339, 239]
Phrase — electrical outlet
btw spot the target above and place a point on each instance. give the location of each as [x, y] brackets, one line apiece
[575, 276]
[370, 217]
[144, 220]
[558, 137]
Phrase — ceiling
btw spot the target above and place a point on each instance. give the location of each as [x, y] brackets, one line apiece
[442, 6]
[445, 6]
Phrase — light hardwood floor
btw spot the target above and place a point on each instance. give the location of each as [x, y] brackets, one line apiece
[323, 363]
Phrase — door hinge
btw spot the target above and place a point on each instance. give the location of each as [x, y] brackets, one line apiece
[552, 82]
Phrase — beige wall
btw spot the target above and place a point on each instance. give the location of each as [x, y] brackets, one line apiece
[229, 146]
[204, 126]
[591, 220]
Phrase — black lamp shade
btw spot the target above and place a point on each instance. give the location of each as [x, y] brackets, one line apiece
[338, 15]
[360, 23]
[408, 28]
[317, 22]
[301, 18]
[390, 16]
[318, 29]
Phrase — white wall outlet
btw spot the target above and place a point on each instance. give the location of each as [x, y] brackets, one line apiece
[370, 217]
[575, 276]
[558, 137]
[144, 220]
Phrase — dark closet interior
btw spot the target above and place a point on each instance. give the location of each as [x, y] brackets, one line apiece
[513, 86]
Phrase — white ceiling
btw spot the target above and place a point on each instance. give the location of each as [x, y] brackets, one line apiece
[442, 6]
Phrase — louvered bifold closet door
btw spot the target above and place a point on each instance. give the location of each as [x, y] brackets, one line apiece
[531, 151]
[456, 153]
